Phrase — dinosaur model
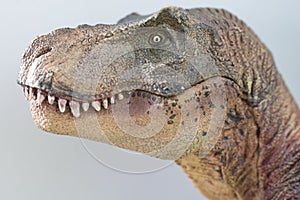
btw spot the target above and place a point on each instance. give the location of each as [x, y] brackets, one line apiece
[192, 85]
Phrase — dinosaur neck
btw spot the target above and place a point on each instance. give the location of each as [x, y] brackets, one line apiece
[279, 155]
[255, 143]
[229, 171]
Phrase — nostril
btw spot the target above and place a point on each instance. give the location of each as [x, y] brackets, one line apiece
[42, 51]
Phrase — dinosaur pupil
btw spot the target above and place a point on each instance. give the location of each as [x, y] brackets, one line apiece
[156, 39]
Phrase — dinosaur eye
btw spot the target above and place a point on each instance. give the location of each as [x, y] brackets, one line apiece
[157, 38]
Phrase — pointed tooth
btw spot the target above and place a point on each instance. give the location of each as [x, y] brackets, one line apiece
[105, 103]
[85, 106]
[40, 97]
[30, 96]
[112, 100]
[26, 92]
[120, 96]
[96, 105]
[51, 99]
[62, 105]
[75, 108]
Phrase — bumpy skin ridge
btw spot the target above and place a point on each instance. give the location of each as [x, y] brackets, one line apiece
[276, 115]
[257, 153]
[232, 165]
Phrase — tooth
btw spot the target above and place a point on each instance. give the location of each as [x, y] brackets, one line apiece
[30, 96]
[120, 96]
[62, 105]
[129, 93]
[40, 97]
[112, 100]
[96, 105]
[105, 103]
[51, 99]
[26, 92]
[75, 108]
[85, 106]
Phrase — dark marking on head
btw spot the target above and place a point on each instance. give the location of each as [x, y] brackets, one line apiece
[170, 122]
[235, 119]
[173, 116]
[166, 102]
[241, 132]
[226, 123]
[45, 81]
[149, 102]
[207, 93]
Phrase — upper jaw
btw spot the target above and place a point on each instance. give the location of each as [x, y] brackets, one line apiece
[80, 81]
[63, 67]
[47, 67]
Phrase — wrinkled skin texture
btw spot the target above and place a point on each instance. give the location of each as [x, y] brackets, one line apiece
[199, 79]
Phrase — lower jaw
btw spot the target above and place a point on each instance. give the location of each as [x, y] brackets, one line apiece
[47, 108]
[115, 125]
[141, 122]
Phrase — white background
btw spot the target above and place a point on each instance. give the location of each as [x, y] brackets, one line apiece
[36, 165]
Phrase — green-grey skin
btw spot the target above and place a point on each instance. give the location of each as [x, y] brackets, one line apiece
[176, 61]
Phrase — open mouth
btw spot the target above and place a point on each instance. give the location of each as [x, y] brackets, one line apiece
[76, 106]
[137, 120]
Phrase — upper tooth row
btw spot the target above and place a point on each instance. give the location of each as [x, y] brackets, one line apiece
[74, 105]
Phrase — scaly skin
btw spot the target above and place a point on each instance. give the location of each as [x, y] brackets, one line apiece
[196, 86]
